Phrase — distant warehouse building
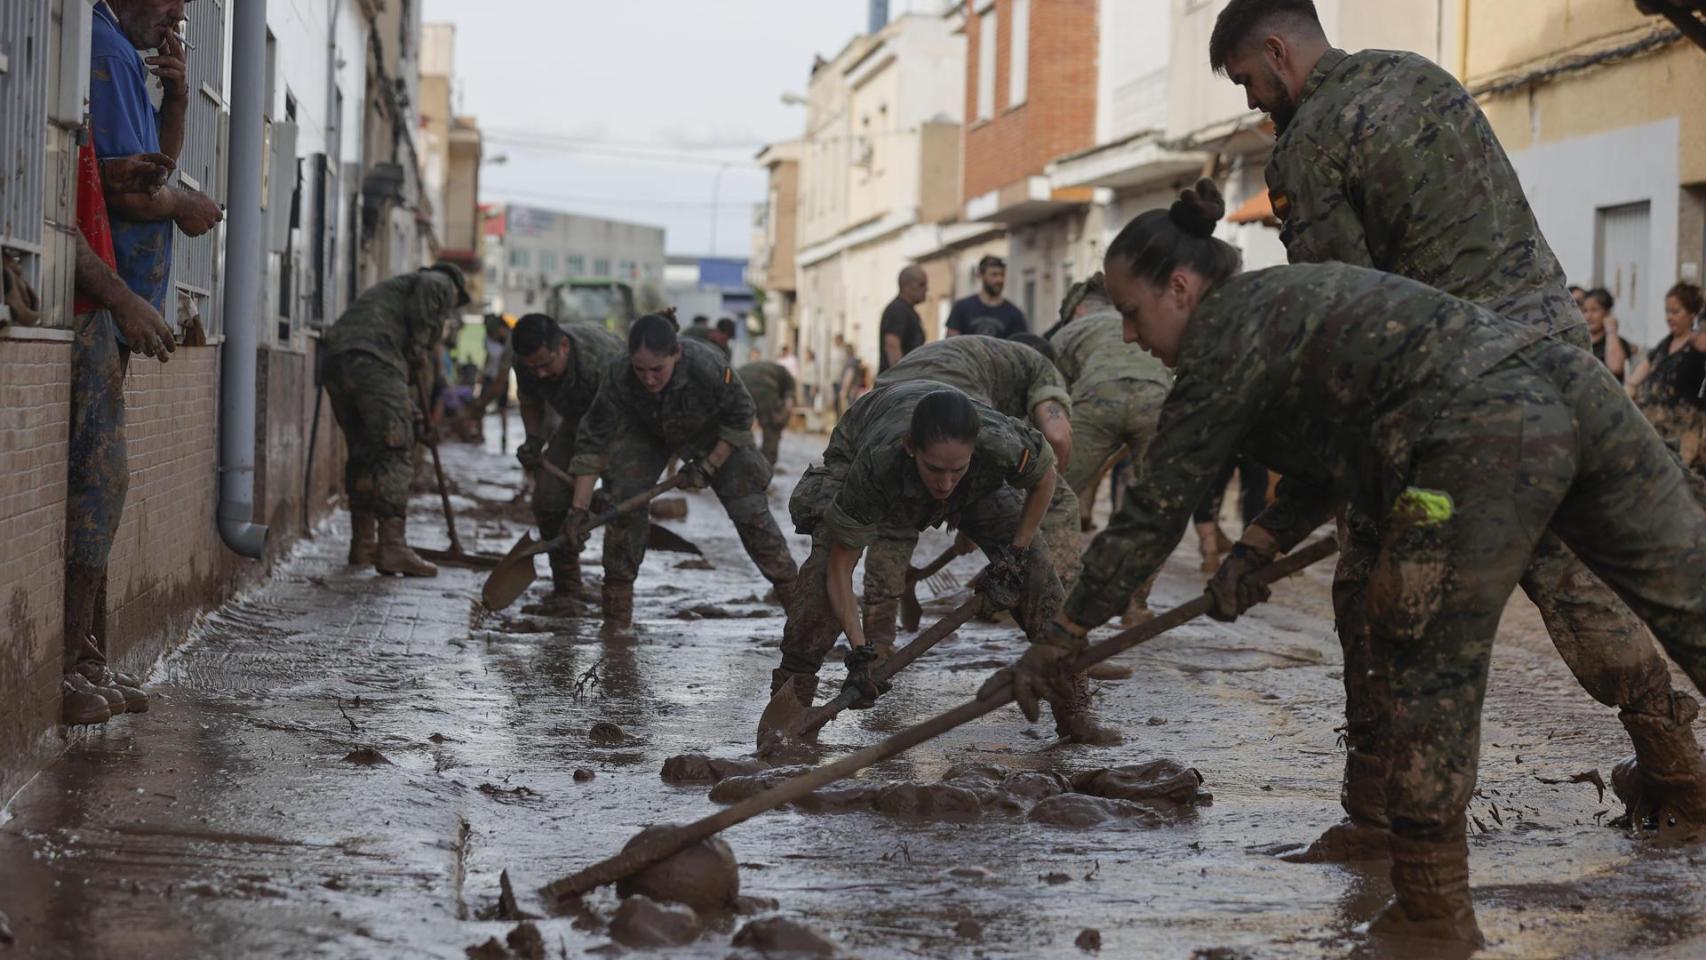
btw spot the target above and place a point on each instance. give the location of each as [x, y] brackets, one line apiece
[528, 249]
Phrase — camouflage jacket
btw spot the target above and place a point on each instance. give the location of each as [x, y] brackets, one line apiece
[770, 384]
[704, 402]
[1008, 376]
[868, 482]
[1390, 163]
[702, 333]
[593, 350]
[1092, 350]
[399, 320]
[1355, 361]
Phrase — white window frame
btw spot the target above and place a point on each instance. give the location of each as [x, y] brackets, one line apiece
[986, 51]
[1018, 52]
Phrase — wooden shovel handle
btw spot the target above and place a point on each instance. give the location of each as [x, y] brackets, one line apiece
[899, 661]
[666, 842]
[934, 567]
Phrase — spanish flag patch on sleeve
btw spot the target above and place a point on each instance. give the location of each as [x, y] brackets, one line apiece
[728, 374]
[1024, 461]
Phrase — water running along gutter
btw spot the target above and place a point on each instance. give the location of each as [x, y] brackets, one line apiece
[238, 357]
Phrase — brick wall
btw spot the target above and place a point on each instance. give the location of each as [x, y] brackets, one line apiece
[35, 396]
[1058, 116]
[168, 562]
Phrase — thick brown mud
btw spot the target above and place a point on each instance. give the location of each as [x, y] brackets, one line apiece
[245, 815]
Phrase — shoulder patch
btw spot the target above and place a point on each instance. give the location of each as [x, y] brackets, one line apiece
[1281, 203]
[728, 374]
[1024, 461]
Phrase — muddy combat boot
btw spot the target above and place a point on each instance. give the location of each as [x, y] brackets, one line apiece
[1075, 723]
[99, 676]
[113, 697]
[618, 612]
[80, 704]
[805, 685]
[1430, 883]
[1665, 782]
[363, 539]
[394, 554]
[1137, 611]
[1363, 834]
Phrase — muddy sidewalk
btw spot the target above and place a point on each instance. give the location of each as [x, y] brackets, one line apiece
[339, 765]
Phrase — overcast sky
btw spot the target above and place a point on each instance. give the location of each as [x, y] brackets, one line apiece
[584, 98]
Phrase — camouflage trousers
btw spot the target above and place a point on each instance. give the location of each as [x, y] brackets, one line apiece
[370, 400]
[1111, 415]
[637, 460]
[97, 474]
[888, 559]
[813, 628]
[770, 424]
[1546, 442]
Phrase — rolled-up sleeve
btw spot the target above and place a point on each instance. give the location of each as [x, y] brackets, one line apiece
[1032, 458]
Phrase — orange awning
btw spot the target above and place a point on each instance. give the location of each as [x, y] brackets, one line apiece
[1257, 209]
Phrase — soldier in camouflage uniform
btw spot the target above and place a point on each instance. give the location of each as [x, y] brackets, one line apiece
[672, 397]
[1018, 382]
[1460, 435]
[719, 336]
[908, 456]
[1117, 392]
[772, 388]
[559, 368]
[378, 363]
[1384, 160]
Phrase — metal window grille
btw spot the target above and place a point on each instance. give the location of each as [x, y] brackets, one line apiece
[24, 63]
[196, 261]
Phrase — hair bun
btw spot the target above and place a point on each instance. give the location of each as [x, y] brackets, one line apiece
[1198, 209]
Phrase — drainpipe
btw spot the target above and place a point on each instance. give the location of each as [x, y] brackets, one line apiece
[242, 283]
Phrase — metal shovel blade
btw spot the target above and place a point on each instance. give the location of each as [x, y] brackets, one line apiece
[667, 540]
[781, 715]
[514, 574]
[473, 561]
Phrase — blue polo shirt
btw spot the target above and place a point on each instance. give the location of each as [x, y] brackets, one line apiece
[126, 123]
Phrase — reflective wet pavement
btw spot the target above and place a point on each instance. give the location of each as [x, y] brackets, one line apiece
[340, 765]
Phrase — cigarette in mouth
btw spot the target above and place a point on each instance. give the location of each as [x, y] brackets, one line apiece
[186, 42]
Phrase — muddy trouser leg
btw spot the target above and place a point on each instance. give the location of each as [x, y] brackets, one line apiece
[1504, 451]
[741, 484]
[886, 562]
[551, 501]
[1062, 536]
[370, 400]
[636, 461]
[1634, 520]
[1114, 414]
[1368, 695]
[812, 627]
[97, 477]
[770, 429]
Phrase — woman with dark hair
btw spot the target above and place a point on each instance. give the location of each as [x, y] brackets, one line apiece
[913, 455]
[1610, 348]
[1462, 437]
[672, 397]
[1669, 383]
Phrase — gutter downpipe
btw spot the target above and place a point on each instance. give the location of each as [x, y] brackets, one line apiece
[239, 355]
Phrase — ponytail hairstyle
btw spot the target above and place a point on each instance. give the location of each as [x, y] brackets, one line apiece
[655, 332]
[1159, 242]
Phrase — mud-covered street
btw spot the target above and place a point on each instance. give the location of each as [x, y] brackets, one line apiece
[342, 765]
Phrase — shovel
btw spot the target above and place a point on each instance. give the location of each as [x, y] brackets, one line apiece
[515, 572]
[785, 713]
[658, 537]
[665, 843]
[911, 611]
[455, 556]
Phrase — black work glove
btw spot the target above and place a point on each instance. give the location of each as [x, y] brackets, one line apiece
[1044, 672]
[859, 661]
[531, 451]
[1234, 588]
[1003, 581]
[695, 474]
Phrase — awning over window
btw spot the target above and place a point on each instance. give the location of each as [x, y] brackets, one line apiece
[1257, 209]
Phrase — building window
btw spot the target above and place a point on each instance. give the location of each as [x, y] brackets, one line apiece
[577, 265]
[520, 259]
[1019, 53]
[548, 262]
[986, 65]
[626, 271]
[601, 267]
